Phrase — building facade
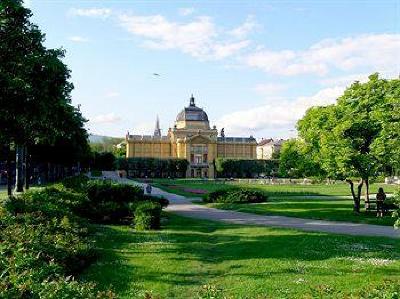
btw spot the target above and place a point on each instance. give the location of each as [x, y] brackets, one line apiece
[266, 148]
[193, 139]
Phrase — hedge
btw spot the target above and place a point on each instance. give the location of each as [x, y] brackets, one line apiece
[235, 195]
[147, 215]
[153, 167]
[43, 244]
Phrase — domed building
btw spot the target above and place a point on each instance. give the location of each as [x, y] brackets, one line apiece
[193, 139]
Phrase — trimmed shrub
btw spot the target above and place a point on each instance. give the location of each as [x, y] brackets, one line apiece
[147, 215]
[236, 195]
[110, 202]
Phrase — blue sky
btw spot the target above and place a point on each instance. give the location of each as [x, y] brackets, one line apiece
[254, 66]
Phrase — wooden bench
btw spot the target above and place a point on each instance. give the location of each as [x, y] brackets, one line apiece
[370, 206]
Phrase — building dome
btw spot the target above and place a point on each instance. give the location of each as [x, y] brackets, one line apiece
[192, 113]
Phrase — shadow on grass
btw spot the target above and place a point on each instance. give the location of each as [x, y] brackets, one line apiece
[323, 210]
[188, 253]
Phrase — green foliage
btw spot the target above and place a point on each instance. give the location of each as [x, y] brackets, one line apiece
[76, 183]
[360, 134]
[109, 202]
[153, 167]
[295, 161]
[147, 215]
[103, 161]
[238, 168]
[105, 144]
[35, 94]
[96, 173]
[236, 195]
[43, 243]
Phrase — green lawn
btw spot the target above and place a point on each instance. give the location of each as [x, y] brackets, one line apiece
[184, 186]
[198, 259]
[304, 201]
[335, 210]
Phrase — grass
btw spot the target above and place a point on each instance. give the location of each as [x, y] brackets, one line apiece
[183, 187]
[334, 210]
[3, 195]
[324, 202]
[202, 259]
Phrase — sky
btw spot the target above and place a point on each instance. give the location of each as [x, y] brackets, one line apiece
[254, 66]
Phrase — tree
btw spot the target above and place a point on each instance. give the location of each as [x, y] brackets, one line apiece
[359, 135]
[35, 102]
[295, 160]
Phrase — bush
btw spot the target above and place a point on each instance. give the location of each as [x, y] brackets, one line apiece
[42, 242]
[147, 215]
[236, 195]
[161, 200]
[110, 202]
[76, 183]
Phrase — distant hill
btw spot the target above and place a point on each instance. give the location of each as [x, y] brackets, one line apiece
[104, 139]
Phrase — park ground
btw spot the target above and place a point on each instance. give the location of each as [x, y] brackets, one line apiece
[191, 258]
[202, 259]
[318, 201]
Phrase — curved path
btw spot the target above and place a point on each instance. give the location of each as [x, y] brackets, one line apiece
[181, 205]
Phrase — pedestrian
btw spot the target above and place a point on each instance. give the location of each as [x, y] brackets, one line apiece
[148, 189]
[380, 198]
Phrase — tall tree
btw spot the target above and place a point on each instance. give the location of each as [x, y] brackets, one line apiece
[35, 103]
[359, 135]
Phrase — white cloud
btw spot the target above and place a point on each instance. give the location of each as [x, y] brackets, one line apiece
[278, 114]
[229, 49]
[372, 51]
[90, 12]
[105, 118]
[186, 11]
[244, 29]
[78, 39]
[199, 38]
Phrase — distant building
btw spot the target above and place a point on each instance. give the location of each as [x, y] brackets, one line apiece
[266, 148]
[193, 139]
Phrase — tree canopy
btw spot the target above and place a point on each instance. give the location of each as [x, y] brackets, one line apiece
[359, 136]
[35, 89]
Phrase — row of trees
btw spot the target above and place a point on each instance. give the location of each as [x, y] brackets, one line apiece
[239, 168]
[35, 96]
[358, 137]
[153, 167]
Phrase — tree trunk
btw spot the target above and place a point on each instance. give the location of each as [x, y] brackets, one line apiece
[366, 193]
[19, 168]
[27, 169]
[356, 197]
[9, 171]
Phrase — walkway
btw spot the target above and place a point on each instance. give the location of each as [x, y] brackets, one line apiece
[183, 206]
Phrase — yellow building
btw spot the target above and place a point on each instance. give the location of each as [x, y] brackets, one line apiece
[192, 139]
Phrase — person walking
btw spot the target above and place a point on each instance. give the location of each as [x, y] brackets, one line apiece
[148, 189]
[380, 198]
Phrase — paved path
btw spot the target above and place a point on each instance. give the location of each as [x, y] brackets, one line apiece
[183, 206]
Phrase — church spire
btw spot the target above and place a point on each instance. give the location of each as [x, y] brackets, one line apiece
[157, 130]
[192, 104]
